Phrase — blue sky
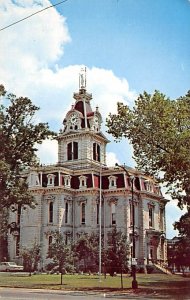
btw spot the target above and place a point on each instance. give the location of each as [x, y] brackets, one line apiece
[128, 46]
[145, 41]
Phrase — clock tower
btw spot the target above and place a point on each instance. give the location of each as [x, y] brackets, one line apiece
[81, 144]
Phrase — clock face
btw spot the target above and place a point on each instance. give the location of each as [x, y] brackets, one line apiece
[73, 119]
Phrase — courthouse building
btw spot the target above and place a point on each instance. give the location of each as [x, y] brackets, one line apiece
[70, 192]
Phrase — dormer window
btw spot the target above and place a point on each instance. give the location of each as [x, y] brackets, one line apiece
[33, 179]
[67, 181]
[51, 180]
[148, 185]
[112, 182]
[83, 182]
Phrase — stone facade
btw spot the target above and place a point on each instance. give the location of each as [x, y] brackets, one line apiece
[69, 193]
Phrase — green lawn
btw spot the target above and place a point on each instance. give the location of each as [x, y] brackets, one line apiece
[164, 284]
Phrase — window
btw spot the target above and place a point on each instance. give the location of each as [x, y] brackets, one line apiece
[113, 215]
[83, 181]
[151, 216]
[83, 213]
[67, 180]
[148, 186]
[51, 180]
[51, 212]
[97, 213]
[96, 152]
[72, 151]
[66, 212]
[161, 219]
[112, 182]
[50, 240]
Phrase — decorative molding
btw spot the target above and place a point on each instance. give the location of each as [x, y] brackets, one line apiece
[81, 200]
[50, 198]
[151, 204]
[112, 200]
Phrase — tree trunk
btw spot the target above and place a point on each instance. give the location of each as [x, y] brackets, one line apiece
[121, 278]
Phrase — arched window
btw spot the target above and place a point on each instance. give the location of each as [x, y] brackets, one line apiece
[72, 151]
[96, 152]
[51, 212]
[83, 213]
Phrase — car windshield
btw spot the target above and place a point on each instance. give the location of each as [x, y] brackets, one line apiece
[12, 263]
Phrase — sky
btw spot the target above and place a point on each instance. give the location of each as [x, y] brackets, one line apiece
[127, 46]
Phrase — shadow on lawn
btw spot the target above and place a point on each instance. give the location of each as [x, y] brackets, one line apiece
[171, 287]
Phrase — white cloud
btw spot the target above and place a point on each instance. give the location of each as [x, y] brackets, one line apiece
[31, 45]
[47, 152]
[111, 159]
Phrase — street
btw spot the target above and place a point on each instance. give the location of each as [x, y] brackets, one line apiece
[34, 294]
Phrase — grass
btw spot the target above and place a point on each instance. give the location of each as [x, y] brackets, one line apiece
[174, 285]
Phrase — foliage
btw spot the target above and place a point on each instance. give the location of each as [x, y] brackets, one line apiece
[19, 136]
[60, 252]
[159, 130]
[86, 250]
[117, 254]
[178, 254]
[31, 257]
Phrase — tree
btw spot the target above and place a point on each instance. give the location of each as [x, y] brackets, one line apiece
[60, 252]
[178, 254]
[31, 257]
[118, 253]
[159, 130]
[19, 136]
[86, 250]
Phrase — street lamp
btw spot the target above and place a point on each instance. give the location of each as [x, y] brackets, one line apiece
[133, 266]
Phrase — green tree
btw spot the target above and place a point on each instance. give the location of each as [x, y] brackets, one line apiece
[60, 252]
[178, 254]
[19, 135]
[118, 253]
[31, 257]
[159, 130]
[86, 250]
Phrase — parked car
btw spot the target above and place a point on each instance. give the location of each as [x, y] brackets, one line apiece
[9, 266]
